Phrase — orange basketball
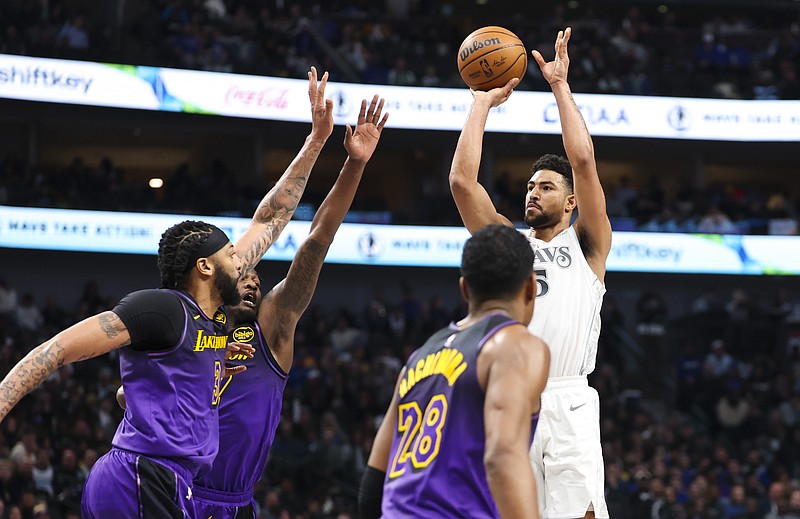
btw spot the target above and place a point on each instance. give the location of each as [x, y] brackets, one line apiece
[490, 56]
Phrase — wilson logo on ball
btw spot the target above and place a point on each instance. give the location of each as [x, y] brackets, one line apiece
[490, 57]
[465, 52]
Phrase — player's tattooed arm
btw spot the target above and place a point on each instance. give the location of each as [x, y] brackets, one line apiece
[290, 298]
[89, 338]
[285, 303]
[278, 206]
[301, 280]
[29, 373]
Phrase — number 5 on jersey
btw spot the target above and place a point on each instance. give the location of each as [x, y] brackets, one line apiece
[541, 282]
[422, 434]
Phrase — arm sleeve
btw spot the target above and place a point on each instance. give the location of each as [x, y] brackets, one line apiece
[154, 318]
[370, 493]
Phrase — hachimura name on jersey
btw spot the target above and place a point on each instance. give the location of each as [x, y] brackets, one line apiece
[436, 460]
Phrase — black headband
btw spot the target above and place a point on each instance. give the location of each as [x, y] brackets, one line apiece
[215, 241]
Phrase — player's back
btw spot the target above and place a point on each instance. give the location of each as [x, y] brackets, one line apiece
[568, 301]
[436, 461]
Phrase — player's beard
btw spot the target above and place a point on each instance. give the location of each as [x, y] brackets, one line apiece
[242, 313]
[227, 286]
[540, 221]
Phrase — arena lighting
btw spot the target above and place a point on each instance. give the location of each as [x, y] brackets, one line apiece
[156, 183]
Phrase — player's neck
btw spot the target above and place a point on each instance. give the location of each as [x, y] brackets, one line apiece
[548, 233]
[206, 298]
[481, 310]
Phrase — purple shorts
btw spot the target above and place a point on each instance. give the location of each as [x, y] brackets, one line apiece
[125, 485]
[210, 503]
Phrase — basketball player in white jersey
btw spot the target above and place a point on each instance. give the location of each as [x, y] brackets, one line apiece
[570, 265]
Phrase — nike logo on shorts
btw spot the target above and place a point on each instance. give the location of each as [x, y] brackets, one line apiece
[575, 407]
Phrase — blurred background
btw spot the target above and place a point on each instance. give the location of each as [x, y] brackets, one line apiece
[699, 375]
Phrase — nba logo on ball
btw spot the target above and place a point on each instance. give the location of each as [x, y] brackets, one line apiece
[489, 57]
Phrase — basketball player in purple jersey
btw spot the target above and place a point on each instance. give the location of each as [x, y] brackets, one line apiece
[172, 351]
[454, 442]
[250, 403]
[570, 264]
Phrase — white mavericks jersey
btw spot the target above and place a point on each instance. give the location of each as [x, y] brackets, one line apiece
[568, 300]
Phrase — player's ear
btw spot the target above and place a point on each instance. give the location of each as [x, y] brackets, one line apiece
[462, 285]
[571, 203]
[204, 266]
[530, 288]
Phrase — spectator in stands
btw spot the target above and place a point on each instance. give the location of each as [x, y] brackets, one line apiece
[73, 36]
[735, 506]
[773, 505]
[732, 410]
[42, 472]
[715, 222]
[29, 317]
[790, 409]
[793, 510]
[718, 363]
[8, 300]
[400, 74]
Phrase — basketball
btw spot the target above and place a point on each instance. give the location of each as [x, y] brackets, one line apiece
[490, 56]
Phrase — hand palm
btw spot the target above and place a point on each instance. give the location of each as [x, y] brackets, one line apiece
[364, 141]
[361, 143]
[555, 70]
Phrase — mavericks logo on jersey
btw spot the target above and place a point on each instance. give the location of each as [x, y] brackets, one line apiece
[559, 255]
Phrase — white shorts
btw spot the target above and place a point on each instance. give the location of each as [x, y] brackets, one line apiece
[566, 454]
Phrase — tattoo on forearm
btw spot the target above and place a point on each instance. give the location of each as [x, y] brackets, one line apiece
[302, 278]
[277, 208]
[29, 373]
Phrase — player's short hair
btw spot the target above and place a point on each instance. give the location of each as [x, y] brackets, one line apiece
[558, 164]
[178, 249]
[496, 262]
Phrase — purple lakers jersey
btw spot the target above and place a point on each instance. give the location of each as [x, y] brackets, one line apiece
[436, 461]
[172, 394]
[249, 413]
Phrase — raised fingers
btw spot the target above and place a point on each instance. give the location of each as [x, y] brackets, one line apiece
[383, 121]
[316, 88]
[321, 90]
[312, 84]
[371, 114]
[561, 42]
[362, 114]
[371, 111]
[376, 114]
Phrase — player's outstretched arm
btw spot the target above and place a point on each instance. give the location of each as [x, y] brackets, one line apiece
[593, 225]
[515, 364]
[370, 492]
[89, 338]
[474, 203]
[285, 303]
[279, 204]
